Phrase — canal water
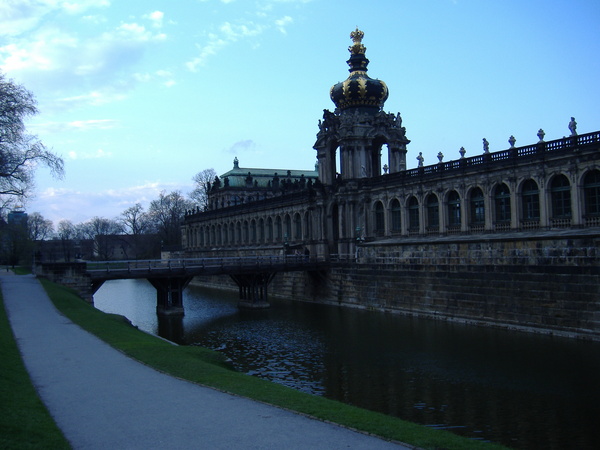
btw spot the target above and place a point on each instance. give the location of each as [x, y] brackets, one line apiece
[525, 391]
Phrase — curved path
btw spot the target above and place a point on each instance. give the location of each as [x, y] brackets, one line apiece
[102, 399]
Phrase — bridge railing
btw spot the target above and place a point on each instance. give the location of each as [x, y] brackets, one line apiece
[258, 261]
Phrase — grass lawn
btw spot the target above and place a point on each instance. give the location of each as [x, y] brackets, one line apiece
[209, 368]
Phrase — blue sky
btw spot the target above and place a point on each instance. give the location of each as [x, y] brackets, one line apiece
[138, 96]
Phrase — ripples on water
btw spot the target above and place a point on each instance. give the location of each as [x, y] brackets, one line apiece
[522, 390]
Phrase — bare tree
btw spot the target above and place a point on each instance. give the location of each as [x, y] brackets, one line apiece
[20, 153]
[136, 224]
[166, 214]
[39, 228]
[134, 220]
[66, 233]
[99, 226]
[101, 230]
[200, 192]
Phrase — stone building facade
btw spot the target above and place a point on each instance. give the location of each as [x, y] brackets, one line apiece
[542, 186]
[412, 229]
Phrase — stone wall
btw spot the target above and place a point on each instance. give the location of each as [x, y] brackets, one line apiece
[72, 275]
[546, 285]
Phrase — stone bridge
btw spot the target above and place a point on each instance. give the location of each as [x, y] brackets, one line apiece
[252, 274]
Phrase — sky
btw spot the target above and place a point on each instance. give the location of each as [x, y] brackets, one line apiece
[138, 96]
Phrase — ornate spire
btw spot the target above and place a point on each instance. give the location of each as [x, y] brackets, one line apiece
[359, 90]
[357, 48]
[358, 62]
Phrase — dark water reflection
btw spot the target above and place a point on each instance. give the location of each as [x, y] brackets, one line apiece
[525, 391]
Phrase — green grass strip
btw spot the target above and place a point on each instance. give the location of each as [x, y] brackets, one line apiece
[24, 420]
[209, 368]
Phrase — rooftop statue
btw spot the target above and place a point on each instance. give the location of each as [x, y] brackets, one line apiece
[573, 126]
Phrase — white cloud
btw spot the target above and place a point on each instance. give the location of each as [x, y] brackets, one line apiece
[103, 124]
[42, 52]
[93, 98]
[132, 31]
[95, 19]
[79, 125]
[142, 77]
[54, 60]
[79, 206]
[282, 23]
[159, 74]
[242, 146]
[156, 18]
[164, 73]
[20, 16]
[100, 153]
[228, 34]
[50, 50]
[79, 6]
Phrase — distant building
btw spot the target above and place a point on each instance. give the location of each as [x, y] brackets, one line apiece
[103, 247]
[126, 247]
[17, 217]
[245, 185]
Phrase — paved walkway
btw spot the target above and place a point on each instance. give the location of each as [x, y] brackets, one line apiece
[103, 399]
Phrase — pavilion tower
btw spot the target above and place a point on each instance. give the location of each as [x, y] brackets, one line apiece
[359, 127]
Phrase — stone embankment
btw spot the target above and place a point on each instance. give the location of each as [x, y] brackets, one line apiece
[547, 286]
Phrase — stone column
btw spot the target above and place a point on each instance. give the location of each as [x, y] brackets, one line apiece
[576, 202]
[422, 213]
[488, 205]
[464, 211]
[545, 205]
[442, 213]
[515, 208]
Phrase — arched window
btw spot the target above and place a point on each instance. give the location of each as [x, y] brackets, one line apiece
[278, 229]
[261, 231]
[530, 195]
[246, 234]
[288, 227]
[413, 215]
[225, 234]
[297, 227]
[253, 231]
[433, 213]
[591, 194]
[477, 205]
[396, 216]
[219, 235]
[379, 219]
[231, 234]
[560, 192]
[453, 210]
[212, 235]
[502, 204]
[238, 237]
[270, 229]
[307, 225]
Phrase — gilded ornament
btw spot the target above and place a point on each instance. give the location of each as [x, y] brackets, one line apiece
[362, 87]
[357, 48]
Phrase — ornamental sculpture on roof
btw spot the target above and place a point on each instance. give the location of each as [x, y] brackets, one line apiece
[357, 47]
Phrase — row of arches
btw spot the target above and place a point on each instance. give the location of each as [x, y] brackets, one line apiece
[277, 229]
[528, 206]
